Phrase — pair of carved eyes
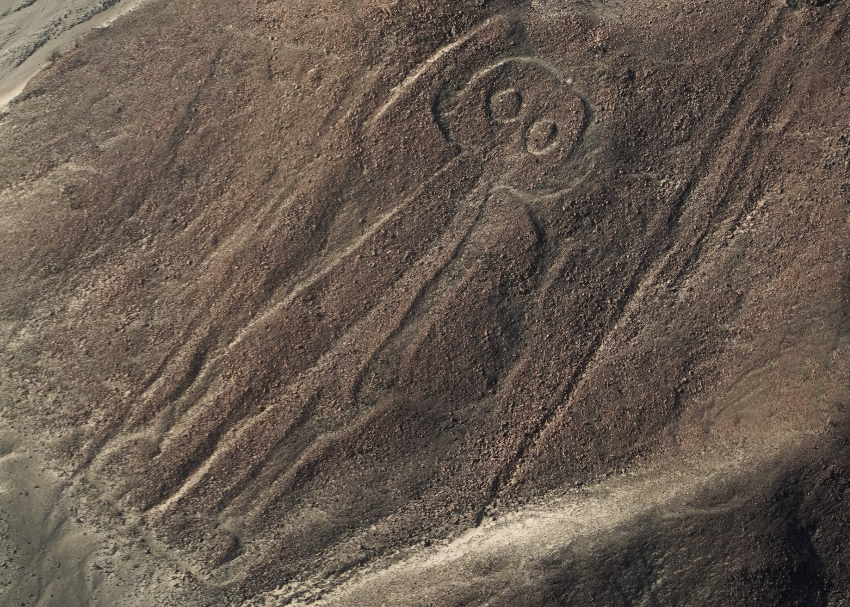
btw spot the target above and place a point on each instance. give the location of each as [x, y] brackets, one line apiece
[543, 134]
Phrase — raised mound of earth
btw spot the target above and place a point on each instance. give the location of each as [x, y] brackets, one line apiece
[430, 303]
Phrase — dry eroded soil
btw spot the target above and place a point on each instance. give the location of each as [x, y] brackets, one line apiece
[422, 303]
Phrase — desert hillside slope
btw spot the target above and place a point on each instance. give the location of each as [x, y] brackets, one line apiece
[430, 303]
[34, 33]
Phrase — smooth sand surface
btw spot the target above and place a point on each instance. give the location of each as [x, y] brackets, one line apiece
[56, 551]
[32, 32]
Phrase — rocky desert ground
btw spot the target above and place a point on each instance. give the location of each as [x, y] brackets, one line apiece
[425, 303]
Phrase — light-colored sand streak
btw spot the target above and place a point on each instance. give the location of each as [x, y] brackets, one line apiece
[30, 34]
[508, 552]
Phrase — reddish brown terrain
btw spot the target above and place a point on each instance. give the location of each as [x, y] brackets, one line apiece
[409, 303]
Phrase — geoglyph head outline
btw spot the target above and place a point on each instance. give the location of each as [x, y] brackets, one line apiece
[519, 115]
[522, 115]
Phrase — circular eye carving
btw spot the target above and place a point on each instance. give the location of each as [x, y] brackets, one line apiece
[542, 136]
[505, 105]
